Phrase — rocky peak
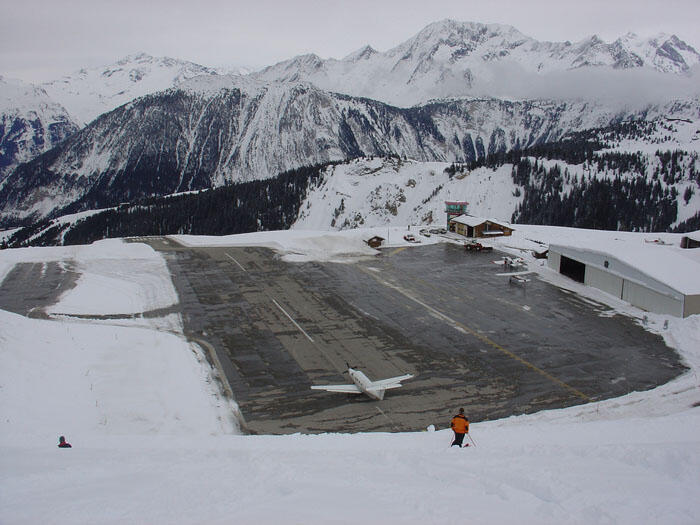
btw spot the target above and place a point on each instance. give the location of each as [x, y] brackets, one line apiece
[364, 53]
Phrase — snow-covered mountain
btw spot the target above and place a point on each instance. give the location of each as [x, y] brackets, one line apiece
[209, 129]
[30, 123]
[451, 59]
[215, 130]
[91, 92]
[35, 118]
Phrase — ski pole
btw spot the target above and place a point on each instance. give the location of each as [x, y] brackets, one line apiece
[470, 438]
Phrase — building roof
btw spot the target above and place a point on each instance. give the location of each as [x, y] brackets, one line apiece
[676, 268]
[470, 220]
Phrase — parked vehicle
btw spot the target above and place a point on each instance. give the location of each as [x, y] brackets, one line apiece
[475, 246]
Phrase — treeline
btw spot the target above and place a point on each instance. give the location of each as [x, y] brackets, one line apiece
[584, 146]
[689, 225]
[572, 149]
[271, 204]
[630, 193]
[629, 203]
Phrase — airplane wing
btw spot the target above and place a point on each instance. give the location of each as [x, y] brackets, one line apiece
[392, 382]
[346, 389]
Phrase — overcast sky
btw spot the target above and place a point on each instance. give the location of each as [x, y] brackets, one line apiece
[44, 39]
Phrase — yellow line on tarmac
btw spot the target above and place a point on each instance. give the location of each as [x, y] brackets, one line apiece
[524, 362]
[397, 250]
[481, 337]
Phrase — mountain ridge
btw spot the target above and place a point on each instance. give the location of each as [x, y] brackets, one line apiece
[90, 92]
[213, 131]
[31, 123]
[450, 58]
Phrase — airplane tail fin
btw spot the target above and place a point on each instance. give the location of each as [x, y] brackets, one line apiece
[376, 393]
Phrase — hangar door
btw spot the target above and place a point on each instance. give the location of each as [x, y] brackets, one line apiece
[573, 269]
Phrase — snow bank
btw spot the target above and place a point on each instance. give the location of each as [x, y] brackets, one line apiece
[125, 375]
[308, 245]
[86, 381]
[106, 249]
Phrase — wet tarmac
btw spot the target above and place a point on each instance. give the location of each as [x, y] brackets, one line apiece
[30, 287]
[473, 338]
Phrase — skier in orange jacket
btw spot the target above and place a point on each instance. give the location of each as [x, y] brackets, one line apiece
[460, 426]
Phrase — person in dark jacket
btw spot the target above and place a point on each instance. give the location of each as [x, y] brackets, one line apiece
[62, 443]
[460, 426]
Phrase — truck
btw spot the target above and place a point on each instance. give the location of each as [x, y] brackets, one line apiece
[475, 246]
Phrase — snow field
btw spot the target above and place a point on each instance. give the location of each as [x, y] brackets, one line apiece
[631, 471]
[82, 379]
[370, 193]
[123, 376]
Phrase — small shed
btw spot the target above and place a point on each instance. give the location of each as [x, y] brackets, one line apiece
[375, 242]
[471, 226]
[691, 240]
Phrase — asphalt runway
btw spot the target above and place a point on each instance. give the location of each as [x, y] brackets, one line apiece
[473, 339]
[30, 287]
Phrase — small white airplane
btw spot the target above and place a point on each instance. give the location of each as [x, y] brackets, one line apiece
[363, 385]
[511, 262]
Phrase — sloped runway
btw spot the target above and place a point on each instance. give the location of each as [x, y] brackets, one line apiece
[473, 339]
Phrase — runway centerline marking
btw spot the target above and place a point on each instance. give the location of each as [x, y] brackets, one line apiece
[292, 320]
[461, 327]
[234, 260]
[388, 418]
[262, 289]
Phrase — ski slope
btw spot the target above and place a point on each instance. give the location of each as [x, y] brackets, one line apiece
[154, 442]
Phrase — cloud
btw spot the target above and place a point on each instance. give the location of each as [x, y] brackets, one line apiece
[632, 87]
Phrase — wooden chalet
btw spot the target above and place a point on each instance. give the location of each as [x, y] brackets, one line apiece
[375, 242]
[471, 226]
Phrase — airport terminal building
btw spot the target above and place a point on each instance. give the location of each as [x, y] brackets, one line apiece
[662, 279]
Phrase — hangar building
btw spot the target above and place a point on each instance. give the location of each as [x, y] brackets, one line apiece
[660, 279]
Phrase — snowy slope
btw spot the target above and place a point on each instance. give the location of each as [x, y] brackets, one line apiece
[124, 374]
[373, 192]
[151, 445]
[388, 191]
[451, 58]
[91, 92]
